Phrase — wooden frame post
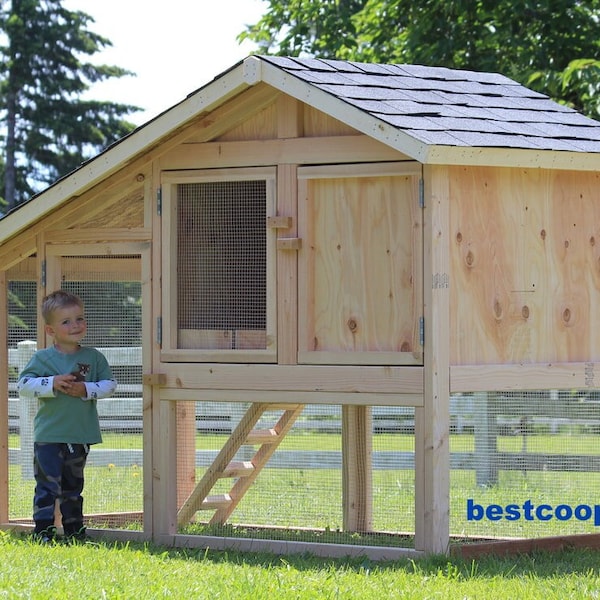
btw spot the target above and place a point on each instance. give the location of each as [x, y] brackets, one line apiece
[289, 126]
[159, 443]
[186, 455]
[486, 440]
[357, 468]
[432, 420]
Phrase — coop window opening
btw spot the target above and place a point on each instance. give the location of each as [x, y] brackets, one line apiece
[221, 270]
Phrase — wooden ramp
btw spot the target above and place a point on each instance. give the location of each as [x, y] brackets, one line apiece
[245, 472]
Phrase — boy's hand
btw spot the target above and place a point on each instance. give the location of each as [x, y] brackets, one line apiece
[77, 390]
[63, 383]
[68, 384]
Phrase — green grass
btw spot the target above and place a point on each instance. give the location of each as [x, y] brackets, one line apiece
[311, 498]
[144, 572]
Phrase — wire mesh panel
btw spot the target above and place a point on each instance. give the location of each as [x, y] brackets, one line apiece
[525, 464]
[114, 475]
[22, 333]
[394, 470]
[221, 250]
[111, 292]
[298, 493]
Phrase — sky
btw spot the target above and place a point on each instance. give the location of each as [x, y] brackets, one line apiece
[174, 47]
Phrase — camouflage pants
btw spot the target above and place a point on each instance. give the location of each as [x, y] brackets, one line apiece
[58, 471]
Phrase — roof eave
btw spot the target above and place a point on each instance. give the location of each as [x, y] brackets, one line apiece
[411, 146]
[329, 104]
[215, 93]
[511, 157]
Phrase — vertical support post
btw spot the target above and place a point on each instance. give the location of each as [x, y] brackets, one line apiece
[186, 450]
[357, 468]
[148, 391]
[486, 444]
[3, 398]
[432, 420]
[160, 509]
[166, 471]
[289, 125]
[287, 269]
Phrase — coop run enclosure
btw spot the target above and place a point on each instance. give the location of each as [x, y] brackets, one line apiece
[351, 309]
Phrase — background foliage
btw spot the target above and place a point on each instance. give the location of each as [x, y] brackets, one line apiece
[48, 128]
[551, 46]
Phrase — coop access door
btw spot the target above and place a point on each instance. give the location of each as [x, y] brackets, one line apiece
[219, 265]
[360, 264]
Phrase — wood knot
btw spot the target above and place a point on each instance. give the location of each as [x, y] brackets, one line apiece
[140, 177]
[352, 325]
[459, 237]
[497, 309]
[592, 241]
[405, 347]
[525, 312]
[543, 234]
[567, 244]
[470, 259]
[566, 316]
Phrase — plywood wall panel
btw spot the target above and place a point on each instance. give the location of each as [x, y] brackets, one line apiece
[358, 263]
[317, 123]
[127, 211]
[525, 270]
[261, 126]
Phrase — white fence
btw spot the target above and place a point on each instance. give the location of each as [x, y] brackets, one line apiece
[485, 415]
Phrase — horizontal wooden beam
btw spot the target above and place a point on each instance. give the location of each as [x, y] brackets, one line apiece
[378, 553]
[89, 236]
[335, 149]
[280, 397]
[559, 376]
[474, 549]
[299, 378]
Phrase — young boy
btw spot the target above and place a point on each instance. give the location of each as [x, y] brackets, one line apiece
[67, 379]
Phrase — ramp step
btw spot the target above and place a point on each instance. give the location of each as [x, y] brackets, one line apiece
[262, 436]
[238, 469]
[216, 502]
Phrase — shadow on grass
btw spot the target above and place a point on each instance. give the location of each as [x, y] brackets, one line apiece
[540, 565]
[536, 564]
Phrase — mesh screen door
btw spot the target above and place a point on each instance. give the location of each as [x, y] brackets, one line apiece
[111, 289]
[220, 263]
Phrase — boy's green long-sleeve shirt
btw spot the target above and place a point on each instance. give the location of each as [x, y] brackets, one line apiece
[62, 418]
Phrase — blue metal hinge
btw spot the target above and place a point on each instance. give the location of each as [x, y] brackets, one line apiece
[422, 331]
[159, 202]
[159, 331]
[43, 274]
[421, 193]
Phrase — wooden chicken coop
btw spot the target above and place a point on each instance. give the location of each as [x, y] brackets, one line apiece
[321, 232]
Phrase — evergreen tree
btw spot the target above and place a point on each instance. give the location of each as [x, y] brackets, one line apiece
[49, 129]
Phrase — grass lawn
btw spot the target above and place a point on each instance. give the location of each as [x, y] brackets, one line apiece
[137, 571]
[309, 496]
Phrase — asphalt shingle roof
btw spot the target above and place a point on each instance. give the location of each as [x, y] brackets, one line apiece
[450, 107]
